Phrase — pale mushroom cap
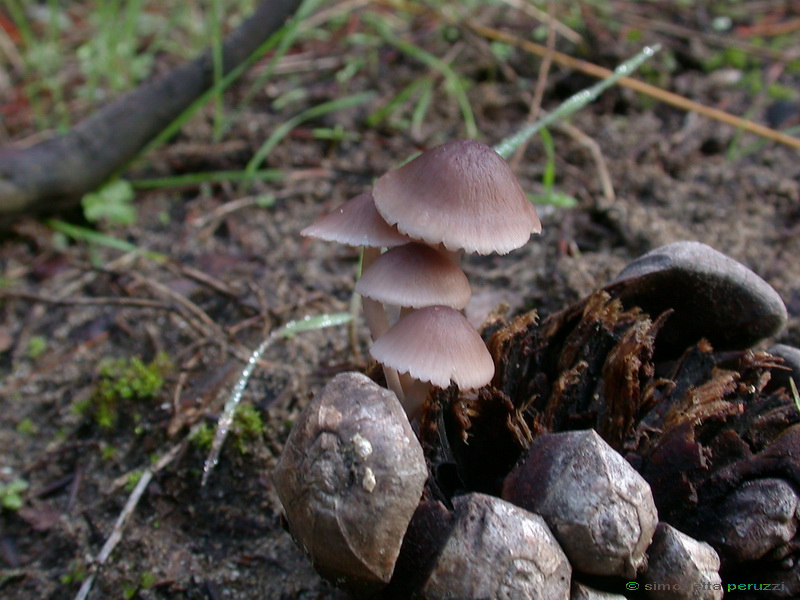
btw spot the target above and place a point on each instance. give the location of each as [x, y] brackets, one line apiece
[415, 275]
[436, 344]
[356, 223]
[461, 194]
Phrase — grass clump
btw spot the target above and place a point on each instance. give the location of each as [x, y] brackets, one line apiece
[124, 379]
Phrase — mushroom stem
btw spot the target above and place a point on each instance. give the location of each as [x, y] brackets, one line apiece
[375, 316]
[378, 322]
[368, 256]
[374, 311]
[454, 255]
[416, 392]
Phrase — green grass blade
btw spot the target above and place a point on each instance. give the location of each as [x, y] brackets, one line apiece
[218, 87]
[387, 109]
[549, 176]
[312, 323]
[421, 109]
[189, 179]
[574, 103]
[94, 237]
[308, 323]
[284, 128]
[216, 62]
[288, 35]
[452, 80]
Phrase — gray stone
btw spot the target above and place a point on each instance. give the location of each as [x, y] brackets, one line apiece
[681, 567]
[583, 592]
[791, 360]
[598, 507]
[500, 551]
[757, 519]
[713, 297]
[350, 478]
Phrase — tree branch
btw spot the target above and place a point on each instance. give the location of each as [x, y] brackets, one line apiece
[57, 172]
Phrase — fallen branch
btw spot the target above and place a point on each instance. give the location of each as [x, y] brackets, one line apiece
[57, 172]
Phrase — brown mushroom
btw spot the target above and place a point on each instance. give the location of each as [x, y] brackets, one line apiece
[462, 195]
[358, 223]
[434, 345]
[415, 275]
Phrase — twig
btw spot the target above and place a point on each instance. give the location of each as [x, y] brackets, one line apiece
[127, 511]
[541, 81]
[639, 86]
[546, 17]
[87, 301]
[116, 533]
[212, 328]
[226, 209]
[597, 155]
[58, 171]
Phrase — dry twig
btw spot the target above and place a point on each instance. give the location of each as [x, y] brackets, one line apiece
[639, 86]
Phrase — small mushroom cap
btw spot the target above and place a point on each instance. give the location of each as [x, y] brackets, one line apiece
[436, 344]
[415, 275]
[356, 223]
[461, 194]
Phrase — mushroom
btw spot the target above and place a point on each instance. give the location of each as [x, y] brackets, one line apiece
[434, 345]
[462, 195]
[415, 275]
[357, 223]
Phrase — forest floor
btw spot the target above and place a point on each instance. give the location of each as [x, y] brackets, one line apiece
[110, 358]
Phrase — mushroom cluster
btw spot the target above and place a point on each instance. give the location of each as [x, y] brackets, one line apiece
[460, 197]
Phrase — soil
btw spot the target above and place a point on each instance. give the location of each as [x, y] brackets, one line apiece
[234, 268]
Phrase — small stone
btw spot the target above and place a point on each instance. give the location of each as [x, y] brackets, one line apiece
[350, 478]
[757, 519]
[713, 296]
[791, 360]
[596, 504]
[583, 592]
[681, 568]
[497, 550]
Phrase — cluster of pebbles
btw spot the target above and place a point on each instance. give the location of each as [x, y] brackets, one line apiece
[632, 445]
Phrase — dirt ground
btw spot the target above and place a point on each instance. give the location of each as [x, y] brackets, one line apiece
[235, 269]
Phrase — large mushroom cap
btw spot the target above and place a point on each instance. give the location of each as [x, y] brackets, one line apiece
[415, 275]
[436, 344]
[461, 194]
[356, 223]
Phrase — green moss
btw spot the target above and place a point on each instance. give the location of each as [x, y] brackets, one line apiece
[76, 574]
[27, 427]
[246, 428]
[37, 345]
[133, 479]
[120, 380]
[147, 580]
[11, 494]
[202, 437]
